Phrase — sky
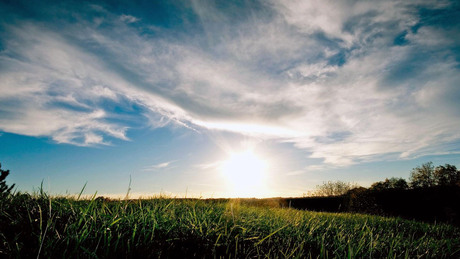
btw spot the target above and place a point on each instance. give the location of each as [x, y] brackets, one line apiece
[158, 96]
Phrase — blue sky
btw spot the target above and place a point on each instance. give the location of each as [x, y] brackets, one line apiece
[165, 92]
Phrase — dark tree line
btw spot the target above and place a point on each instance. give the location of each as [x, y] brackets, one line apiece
[392, 183]
[423, 176]
[427, 175]
[431, 194]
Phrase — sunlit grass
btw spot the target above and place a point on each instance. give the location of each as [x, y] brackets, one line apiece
[176, 228]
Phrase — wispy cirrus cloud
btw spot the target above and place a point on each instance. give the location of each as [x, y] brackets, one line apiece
[159, 166]
[128, 18]
[347, 82]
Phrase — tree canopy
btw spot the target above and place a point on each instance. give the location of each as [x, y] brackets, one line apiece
[422, 176]
[392, 183]
[446, 175]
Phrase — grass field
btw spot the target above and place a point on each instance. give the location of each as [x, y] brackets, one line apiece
[33, 226]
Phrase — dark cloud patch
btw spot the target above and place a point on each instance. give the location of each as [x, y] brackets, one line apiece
[431, 42]
[400, 39]
[166, 14]
[10, 108]
[327, 41]
[338, 59]
[409, 69]
[334, 137]
[53, 13]
[334, 45]
[355, 24]
[65, 105]
[447, 18]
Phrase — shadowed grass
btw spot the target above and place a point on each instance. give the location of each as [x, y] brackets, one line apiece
[41, 226]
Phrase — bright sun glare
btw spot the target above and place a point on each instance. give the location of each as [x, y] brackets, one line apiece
[245, 173]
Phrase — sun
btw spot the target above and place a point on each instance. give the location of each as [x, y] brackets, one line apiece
[245, 174]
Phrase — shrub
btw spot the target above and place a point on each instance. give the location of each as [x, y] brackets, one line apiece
[334, 188]
[4, 189]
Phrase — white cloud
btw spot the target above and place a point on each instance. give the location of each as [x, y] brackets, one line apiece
[159, 166]
[59, 89]
[322, 75]
[51, 84]
[128, 18]
[213, 165]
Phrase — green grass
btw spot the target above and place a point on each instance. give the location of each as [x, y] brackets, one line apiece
[32, 226]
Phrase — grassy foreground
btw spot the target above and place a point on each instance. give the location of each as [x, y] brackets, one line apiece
[32, 226]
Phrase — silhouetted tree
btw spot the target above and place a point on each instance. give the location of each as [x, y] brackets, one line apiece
[399, 183]
[446, 175]
[382, 185]
[4, 189]
[334, 188]
[392, 183]
[422, 176]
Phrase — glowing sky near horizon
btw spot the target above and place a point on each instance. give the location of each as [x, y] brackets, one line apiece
[167, 91]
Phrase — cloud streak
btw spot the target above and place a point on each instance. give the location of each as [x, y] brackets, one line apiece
[348, 82]
[160, 166]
